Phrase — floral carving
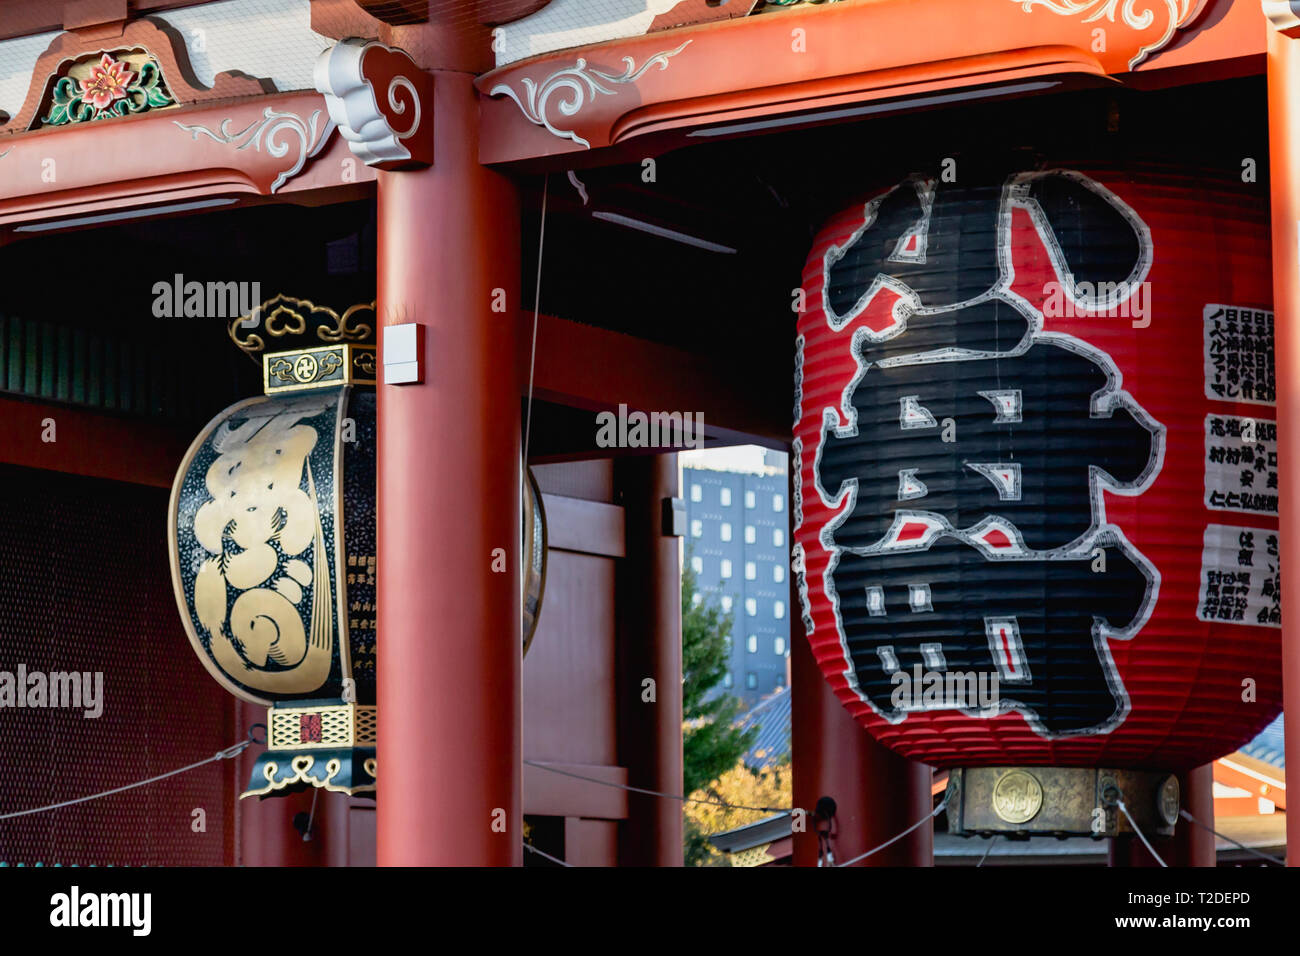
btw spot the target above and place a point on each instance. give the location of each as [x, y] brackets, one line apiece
[110, 89]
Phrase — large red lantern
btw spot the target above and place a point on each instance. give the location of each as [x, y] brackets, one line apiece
[1037, 459]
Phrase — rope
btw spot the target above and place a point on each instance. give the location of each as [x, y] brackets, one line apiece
[1263, 856]
[232, 751]
[943, 804]
[1141, 836]
[992, 840]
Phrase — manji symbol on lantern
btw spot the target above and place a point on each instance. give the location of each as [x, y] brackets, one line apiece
[272, 538]
[1037, 532]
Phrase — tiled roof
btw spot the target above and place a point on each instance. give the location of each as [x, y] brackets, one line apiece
[1268, 745]
[772, 716]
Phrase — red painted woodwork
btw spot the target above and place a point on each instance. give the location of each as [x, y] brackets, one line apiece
[590, 368]
[86, 443]
[569, 686]
[146, 160]
[1258, 778]
[1284, 152]
[448, 495]
[590, 842]
[747, 69]
[649, 614]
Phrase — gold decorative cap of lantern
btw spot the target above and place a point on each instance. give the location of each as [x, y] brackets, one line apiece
[313, 345]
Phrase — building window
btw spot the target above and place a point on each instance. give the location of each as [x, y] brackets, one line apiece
[751, 607]
[778, 609]
[726, 679]
[724, 496]
[778, 537]
[751, 571]
[749, 499]
[751, 680]
[778, 573]
[778, 502]
[697, 528]
[752, 644]
[750, 534]
[697, 493]
[778, 646]
[726, 642]
[696, 599]
[726, 531]
[726, 603]
[726, 568]
[697, 565]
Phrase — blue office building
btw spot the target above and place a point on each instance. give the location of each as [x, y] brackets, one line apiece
[737, 542]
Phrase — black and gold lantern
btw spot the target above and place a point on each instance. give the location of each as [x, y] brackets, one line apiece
[272, 539]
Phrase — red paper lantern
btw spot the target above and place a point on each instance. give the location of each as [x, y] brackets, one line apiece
[1035, 438]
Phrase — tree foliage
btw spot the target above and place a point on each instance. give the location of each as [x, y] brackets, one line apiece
[712, 744]
[740, 786]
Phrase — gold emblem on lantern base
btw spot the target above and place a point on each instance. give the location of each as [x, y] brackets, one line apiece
[1017, 797]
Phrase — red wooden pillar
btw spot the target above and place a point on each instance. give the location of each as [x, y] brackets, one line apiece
[448, 499]
[1193, 845]
[1284, 154]
[650, 646]
[877, 793]
[1190, 845]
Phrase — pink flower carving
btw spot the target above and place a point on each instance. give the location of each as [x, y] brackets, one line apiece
[107, 82]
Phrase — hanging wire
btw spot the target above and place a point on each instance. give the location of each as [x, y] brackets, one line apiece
[943, 804]
[656, 793]
[1263, 856]
[537, 309]
[1141, 836]
[992, 840]
[532, 849]
[311, 817]
[230, 752]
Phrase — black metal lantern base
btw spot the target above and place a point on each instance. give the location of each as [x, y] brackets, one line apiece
[1060, 801]
[328, 745]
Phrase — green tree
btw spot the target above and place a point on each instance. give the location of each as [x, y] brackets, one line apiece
[712, 744]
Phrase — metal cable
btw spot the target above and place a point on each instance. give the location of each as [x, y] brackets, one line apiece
[656, 793]
[943, 804]
[537, 308]
[532, 849]
[1263, 856]
[231, 751]
[1141, 836]
[992, 840]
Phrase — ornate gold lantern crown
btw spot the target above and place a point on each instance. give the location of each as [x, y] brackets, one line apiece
[302, 345]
